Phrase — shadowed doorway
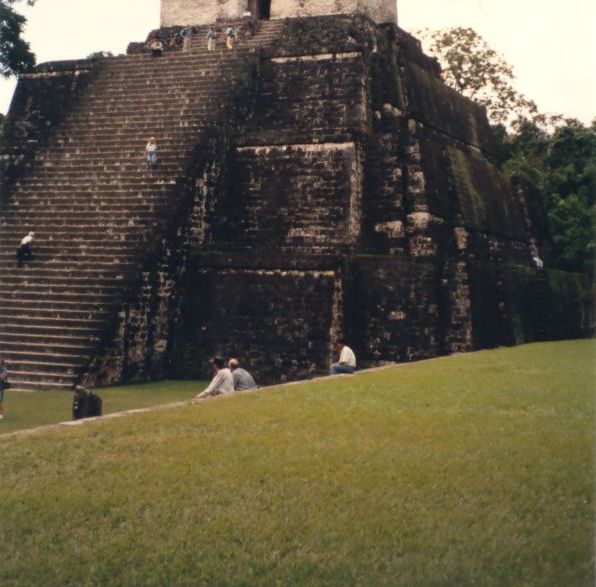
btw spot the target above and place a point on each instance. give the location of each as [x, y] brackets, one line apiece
[260, 8]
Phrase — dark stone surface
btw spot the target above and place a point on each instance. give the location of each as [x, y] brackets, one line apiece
[347, 191]
[41, 102]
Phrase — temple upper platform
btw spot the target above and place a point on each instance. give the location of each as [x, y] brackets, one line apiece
[196, 12]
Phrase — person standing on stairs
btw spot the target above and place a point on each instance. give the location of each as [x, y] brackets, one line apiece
[186, 33]
[156, 47]
[24, 252]
[536, 259]
[151, 154]
[230, 37]
[3, 386]
[211, 39]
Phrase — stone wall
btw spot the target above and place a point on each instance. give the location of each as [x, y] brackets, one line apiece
[42, 100]
[301, 197]
[358, 150]
[277, 315]
[177, 12]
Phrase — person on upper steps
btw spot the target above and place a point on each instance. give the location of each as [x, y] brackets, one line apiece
[211, 39]
[156, 47]
[230, 37]
[187, 33]
[151, 154]
[24, 252]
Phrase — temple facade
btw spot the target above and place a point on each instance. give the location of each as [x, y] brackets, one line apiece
[197, 12]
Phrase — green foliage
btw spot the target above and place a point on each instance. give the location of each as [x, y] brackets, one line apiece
[15, 53]
[468, 470]
[555, 154]
[563, 166]
[478, 72]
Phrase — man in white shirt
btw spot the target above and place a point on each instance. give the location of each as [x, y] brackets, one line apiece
[222, 382]
[347, 360]
[24, 252]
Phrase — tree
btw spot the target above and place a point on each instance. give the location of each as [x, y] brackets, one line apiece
[562, 164]
[556, 154]
[15, 53]
[571, 192]
[478, 72]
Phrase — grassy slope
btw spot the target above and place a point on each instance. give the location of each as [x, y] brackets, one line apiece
[470, 470]
[28, 410]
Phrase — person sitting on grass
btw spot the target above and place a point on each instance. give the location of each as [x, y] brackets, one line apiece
[222, 382]
[3, 386]
[243, 380]
[347, 360]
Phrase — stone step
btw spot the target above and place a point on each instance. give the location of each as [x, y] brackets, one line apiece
[68, 266]
[15, 277]
[24, 339]
[93, 292]
[42, 322]
[93, 158]
[57, 314]
[44, 330]
[20, 377]
[32, 386]
[84, 234]
[106, 152]
[44, 352]
[72, 247]
[45, 367]
[130, 171]
[43, 296]
[76, 208]
[19, 217]
[97, 191]
[58, 349]
[78, 232]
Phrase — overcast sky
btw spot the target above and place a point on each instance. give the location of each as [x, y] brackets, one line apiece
[550, 44]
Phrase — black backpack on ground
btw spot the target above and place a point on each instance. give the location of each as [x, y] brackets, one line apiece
[85, 404]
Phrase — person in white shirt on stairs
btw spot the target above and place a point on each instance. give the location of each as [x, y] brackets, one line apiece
[24, 252]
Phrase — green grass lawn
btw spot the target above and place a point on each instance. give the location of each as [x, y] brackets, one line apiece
[28, 410]
[469, 470]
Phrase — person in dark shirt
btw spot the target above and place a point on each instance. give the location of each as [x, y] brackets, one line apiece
[243, 380]
[186, 33]
[3, 385]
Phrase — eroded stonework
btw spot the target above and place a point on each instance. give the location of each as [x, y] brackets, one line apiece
[197, 12]
[319, 180]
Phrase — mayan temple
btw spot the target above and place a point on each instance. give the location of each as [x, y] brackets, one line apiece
[316, 180]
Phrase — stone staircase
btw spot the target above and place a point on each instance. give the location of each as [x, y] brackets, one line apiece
[93, 205]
